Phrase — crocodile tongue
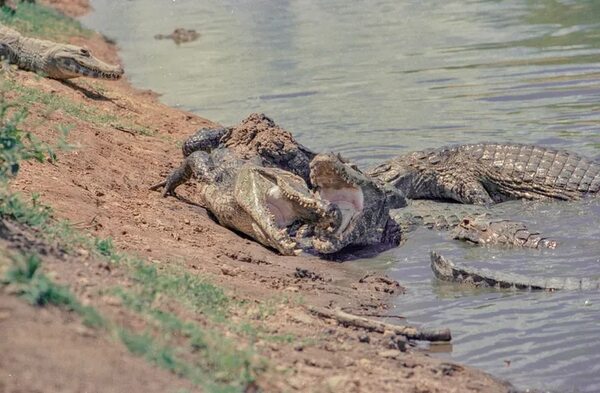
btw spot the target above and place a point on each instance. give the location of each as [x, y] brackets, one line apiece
[348, 199]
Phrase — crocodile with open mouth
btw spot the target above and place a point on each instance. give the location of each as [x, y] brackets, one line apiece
[487, 173]
[51, 59]
[272, 206]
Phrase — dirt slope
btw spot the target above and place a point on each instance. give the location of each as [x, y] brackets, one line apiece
[102, 187]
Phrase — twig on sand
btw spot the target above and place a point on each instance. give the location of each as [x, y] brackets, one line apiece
[409, 332]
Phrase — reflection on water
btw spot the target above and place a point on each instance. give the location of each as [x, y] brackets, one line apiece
[374, 78]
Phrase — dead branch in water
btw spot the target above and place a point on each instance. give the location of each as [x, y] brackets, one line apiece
[409, 332]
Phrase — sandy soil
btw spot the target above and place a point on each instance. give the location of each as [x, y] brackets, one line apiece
[102, 187]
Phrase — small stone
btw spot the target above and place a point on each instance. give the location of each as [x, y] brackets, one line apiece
[299, 347]
[82, 252]
[336, 383]
[301, 317]
[364, 338]
[291, 289]
[229, 271]
[112, 301]
[186, 221]
[4, 314]
[84, 331]
[391, 353]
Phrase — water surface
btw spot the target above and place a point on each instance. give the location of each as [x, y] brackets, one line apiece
[372, 79]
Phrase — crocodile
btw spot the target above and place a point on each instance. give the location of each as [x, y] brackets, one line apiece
[488, 173]
[270, 205]
[179, 35]
[446, 270]
[255, 136]
[51, 59]
[470, 223]
[364, 204]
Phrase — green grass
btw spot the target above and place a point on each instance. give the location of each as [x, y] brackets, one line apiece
[26, 279]
[40, 21]
[28, 96]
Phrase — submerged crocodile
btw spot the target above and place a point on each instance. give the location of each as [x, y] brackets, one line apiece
[54, 60]
[446, 270]
[270, 205]
[179, 35]
[488, 173]
[469, 223]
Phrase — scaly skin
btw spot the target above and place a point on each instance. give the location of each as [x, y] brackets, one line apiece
[267, 204]
[485, 231]
[255, 136]
[447, 271]
[364, 204]
[57, 61]
[470, 223]
[488, 173]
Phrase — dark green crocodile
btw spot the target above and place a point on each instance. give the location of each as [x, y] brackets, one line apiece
[488, 173]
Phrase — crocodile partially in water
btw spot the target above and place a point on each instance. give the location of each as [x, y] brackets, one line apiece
[277, 208]
[446, 270]
[51, 59]
[258, 138]
[488, 173]
[469, 223]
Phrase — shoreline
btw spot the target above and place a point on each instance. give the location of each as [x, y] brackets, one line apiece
[127, 141]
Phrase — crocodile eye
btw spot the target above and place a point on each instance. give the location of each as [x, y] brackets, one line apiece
[84, 52]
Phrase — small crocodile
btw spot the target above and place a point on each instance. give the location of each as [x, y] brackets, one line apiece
[470, 223]
[179, 35]
[488, 173]
[51, 59]
[446, 270]
[272, 206]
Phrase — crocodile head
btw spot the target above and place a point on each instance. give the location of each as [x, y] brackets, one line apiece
[69, 61]
[484, 231]
[364, 204]
[285, 214]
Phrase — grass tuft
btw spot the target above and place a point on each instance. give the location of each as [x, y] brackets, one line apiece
[37, 20]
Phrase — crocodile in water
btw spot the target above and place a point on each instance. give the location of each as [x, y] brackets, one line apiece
[488, 173]
[446, 270]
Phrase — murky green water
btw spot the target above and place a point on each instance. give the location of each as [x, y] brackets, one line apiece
[372, 79]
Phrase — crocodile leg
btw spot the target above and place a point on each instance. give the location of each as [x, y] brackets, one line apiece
[198, 164]
[205, 139]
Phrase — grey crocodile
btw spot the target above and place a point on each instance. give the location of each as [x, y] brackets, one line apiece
[51, 59]
[488, 173]
[446, 270]
[470, 223]
[272, 206]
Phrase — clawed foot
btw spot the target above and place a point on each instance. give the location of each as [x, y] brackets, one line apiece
[166, 191]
